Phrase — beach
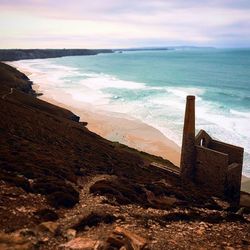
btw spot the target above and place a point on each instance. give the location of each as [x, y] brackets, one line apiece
[112, 126]
[130, 132]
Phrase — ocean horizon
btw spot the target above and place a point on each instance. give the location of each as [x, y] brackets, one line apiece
[152, 86]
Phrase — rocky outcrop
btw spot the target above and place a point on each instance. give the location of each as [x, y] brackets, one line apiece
[82, 243]
[12, 78]
[122, 238]
[74, 118]
[17, 83]
[48, 226]
[21, 54]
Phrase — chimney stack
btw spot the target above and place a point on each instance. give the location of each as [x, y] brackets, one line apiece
[188, 141]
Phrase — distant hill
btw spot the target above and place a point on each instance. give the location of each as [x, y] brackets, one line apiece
[21, 54]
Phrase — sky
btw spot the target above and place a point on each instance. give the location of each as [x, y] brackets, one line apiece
[124, 23]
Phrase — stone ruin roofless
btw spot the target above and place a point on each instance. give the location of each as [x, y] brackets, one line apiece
[215, 165]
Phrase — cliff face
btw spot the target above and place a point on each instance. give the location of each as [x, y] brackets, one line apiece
[62, 186]
[12, 78]
[21, 54]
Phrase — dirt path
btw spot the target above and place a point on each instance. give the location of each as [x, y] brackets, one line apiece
[5, 95]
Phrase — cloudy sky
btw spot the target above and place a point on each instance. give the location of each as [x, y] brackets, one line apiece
[123, 23]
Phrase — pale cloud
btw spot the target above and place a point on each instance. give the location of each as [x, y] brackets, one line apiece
[121, 23]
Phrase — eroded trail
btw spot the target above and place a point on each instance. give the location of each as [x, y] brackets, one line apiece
[5, 95]
[98, 219]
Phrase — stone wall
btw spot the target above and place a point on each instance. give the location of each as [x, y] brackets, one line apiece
[218, 167]
[211, 169]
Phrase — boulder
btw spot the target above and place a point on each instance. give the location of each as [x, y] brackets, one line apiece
[81, 243]
[70, 234]
[48, 227]
[124, 239]
[160, 202]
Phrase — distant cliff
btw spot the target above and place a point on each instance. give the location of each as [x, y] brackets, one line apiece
[21, 54]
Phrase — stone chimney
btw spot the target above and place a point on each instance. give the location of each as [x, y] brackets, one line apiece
[188, 141]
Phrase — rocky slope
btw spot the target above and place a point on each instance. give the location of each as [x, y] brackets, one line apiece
[64, 187]
[21, 54]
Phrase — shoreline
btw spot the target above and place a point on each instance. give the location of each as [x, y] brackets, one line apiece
[129, 131]
[126, 130]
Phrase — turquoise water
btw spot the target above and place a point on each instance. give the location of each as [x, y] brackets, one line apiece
[152, 86]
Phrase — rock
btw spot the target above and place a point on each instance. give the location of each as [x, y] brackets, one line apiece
[84, 124]
[48, 226]
[14, 242]
[160, 202]
[200, 231]
[22, 209]
[82, 243]
[87, 219]
[70, 234]
[44, 239]
[74, 118]
[26, 232]
[46, 214]
[240, 211]
[123, 238]
[221, 203]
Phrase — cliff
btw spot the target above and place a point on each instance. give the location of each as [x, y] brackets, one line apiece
[21, 54]
[12, 78]
[62, 186]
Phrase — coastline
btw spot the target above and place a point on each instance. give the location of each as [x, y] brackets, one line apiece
[114, 127]
[130, 132]
[126, 130]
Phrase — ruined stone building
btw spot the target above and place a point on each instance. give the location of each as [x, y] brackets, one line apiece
[215, 165]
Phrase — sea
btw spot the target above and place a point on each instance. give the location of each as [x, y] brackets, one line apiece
[152, 86]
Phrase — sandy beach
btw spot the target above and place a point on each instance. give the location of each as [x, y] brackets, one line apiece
[128, 131]
[112, 126]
